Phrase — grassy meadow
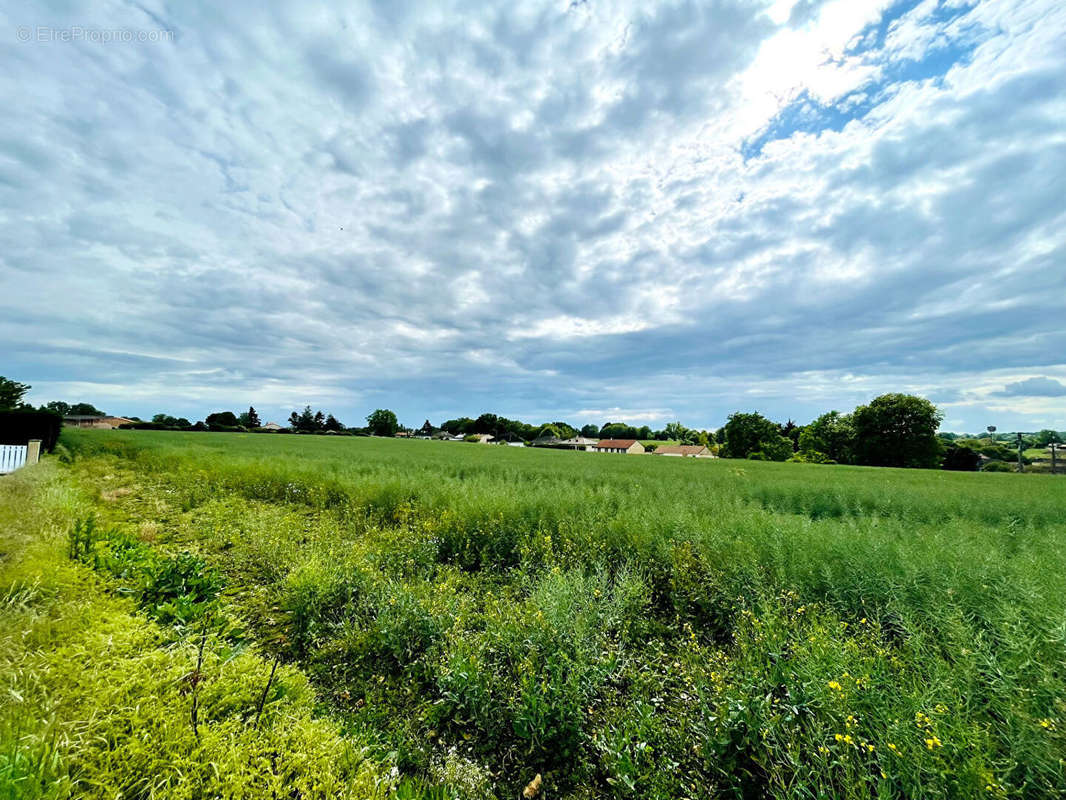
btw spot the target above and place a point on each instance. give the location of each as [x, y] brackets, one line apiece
[448, 620]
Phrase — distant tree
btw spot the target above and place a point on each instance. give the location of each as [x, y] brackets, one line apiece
[1046, 437]
[619, 430]
[307, 421]
[719, 435]
[427, 429]
[382, 423]
[590, 431]
[675, 430]
[85, 410]
[57, 407]
[332, 424]
[791, 431]
[549, 431]
[897, 430]
[455, 427]
[225, 419]
[773, 448]
[11, 393]
[181, 422]
[747, 433]
[250, 419]
[487, 423]
[961, 459]
[831, 435]
[566, 431]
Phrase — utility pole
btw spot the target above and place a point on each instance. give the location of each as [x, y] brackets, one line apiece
[1021, 466]
[1054, 449]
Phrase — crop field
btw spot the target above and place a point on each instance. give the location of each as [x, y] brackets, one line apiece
[200, 615]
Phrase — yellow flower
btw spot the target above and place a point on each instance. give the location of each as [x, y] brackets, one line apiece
[932, 743]
[836, 687]
[893, 748]
[823, 749]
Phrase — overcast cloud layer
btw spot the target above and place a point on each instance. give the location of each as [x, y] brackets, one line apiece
[570, 210]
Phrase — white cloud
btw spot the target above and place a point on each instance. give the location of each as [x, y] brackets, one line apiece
[348, 203]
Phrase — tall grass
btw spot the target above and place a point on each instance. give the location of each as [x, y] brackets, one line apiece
[634, 625]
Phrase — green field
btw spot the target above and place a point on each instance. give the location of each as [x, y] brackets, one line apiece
[452, 619]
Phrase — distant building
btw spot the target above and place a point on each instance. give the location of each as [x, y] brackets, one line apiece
[577, 443]
[630, 446]
[485, 438]
[273, 426]
[685, 451]
[94, 421]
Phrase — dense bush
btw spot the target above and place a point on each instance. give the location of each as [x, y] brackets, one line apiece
[18, 427]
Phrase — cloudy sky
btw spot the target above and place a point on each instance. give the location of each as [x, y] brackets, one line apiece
[578, 210]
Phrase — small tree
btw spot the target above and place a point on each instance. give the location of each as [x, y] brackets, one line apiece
[250, 419]
[961, 459]
[332, 424]
[11, 393]
[382, 423]
[590, 431]
[226, 419]
[832, 435]
[57, 407]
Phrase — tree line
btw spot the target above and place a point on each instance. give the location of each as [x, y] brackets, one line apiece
[893, 430]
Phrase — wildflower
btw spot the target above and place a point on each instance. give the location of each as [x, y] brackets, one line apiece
[1047, 724]
[836, 687]
[940, 708]
[850, 721]
[893, 748]
[932, 743]
[823, 749]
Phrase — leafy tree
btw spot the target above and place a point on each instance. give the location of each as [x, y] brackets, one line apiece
[332, 424]
[11, 393]
[566, 431]
[487, 423]
[791, 431]
[549, 431]
[85, 410]
[224, 418]
[382, 423]
[746, 433]
[897, 430]
[961, 459]
[463, 425]
[1046, 437]
[619, 430]
[590, 431]
[250, 419]
[775, 448]
[832, 435]
[57, 407]
[675, 430]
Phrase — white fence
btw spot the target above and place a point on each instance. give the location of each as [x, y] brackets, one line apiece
[12, 456]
